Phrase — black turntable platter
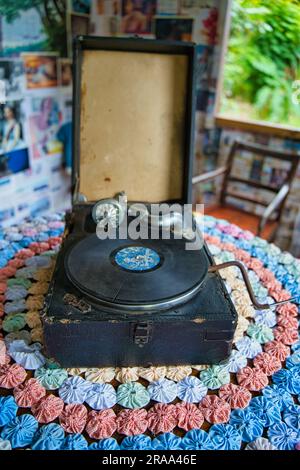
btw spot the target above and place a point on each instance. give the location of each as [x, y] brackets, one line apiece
[143, 274]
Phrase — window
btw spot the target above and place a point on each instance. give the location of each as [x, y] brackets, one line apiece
[261, 72]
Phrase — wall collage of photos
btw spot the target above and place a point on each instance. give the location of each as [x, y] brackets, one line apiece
[35, 114]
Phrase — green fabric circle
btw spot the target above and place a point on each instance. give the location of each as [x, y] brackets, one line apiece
[260, 333]
[50, 378]
[132, 395]
[20, 281]
[14, 322]
[214, 377]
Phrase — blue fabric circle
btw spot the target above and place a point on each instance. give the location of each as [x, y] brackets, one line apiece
[283, 437]
[247, 423]
[288, 379]
[225, 437]
[8, 410]
[140, 442]
[101, 396]
[20, 431]
[291, 417]
[74, 390]
[266, 411]
[167, 441]
[163, 390]
[105, 444]
[74, 442]
[278, 395]
[191, 389]
[197, 439]
[48, 437]
[293, 361]
[137, 258]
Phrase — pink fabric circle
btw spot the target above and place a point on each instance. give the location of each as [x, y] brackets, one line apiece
[255, 264]
[215, 410]
[25, 253]
[47, 409]
[3, 287]
[162, 418]
[213, 240]
[6, 272]
[267, 363]
[39, 247]
[11, 375]
[243, 256]
[286, 336]
[29, 393]
[277, 349]
[54, 241]
[235, 395]
[189, 416]
[101, 424]
[16, 263]
[253, 379]
[274, 287]
[1, 311]
[288, 309]
[266, 276]
[287, 322]
[73, 418]
[132, 422]
[281, 296]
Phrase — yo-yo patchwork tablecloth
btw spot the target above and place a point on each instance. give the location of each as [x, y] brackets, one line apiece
[250, 402]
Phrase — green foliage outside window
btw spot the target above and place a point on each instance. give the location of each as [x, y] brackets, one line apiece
[263, 61]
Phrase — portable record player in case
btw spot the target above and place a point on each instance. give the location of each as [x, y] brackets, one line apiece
[127, 302]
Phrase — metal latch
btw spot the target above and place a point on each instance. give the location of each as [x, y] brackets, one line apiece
[142, 333]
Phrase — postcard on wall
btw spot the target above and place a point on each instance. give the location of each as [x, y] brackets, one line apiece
[205, 29]
[137, 16]
[168, 7]
[177, 29]
[195, 7]
[12, 79]
[106, 7]
[64, 72]
[81, 6]
[25, 27]
[14, 156]
[40, 70]
[44, 122]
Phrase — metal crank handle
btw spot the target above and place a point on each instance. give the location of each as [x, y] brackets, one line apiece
[257, 305]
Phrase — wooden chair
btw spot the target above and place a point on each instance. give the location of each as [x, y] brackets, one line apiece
[267, 224]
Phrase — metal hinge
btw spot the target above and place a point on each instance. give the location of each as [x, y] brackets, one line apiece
[142, 333]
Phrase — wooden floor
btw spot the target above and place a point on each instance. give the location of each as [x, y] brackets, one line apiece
[240, 218]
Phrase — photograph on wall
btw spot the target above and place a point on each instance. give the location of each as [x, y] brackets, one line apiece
[33, 26]
[176, 29]
[106, 7]
[137, 16]
[44, 122]
[204, 65]
[206, 27]
[14, 155]
[168, 7]
[79, 25]
[12, 80]
[195, 7]
[40, 70]
[64, 73]
[81, 6]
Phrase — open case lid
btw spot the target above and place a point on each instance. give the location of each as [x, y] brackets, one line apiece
[133, 115]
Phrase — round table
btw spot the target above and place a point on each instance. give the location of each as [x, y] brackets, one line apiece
[250, 401]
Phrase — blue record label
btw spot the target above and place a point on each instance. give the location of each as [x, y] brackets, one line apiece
[137, 258]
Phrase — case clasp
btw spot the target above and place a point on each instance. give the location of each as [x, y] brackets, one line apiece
[142, 333]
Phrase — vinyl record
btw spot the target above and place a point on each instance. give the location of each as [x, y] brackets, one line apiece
[143, 274]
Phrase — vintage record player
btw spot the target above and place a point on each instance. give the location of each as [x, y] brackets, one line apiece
[122, 301]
